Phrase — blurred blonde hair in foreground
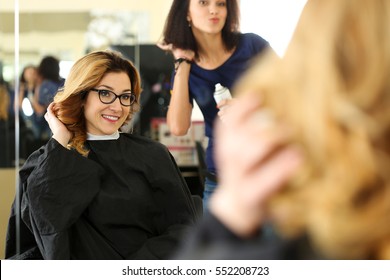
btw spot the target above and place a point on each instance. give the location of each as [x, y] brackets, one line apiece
[333, 87]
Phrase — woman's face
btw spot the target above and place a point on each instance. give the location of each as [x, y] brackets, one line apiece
[207, 16]
[105, 119]
[30, 75]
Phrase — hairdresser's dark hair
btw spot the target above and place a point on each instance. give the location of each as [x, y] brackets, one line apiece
[49, 69]
[178, 33]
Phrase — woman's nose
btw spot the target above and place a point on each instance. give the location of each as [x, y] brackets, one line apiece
[116, 105]
[213, 9]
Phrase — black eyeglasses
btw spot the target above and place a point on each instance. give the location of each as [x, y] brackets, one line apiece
[107, 97]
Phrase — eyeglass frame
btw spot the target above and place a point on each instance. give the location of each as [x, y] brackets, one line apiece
[131, 94]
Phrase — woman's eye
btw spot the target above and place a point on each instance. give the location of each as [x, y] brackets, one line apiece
[125, 96]
[104, 92]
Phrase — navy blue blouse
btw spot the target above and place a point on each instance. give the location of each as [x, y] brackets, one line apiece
[202, 83]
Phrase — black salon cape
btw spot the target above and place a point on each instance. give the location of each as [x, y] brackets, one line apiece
[127, 200]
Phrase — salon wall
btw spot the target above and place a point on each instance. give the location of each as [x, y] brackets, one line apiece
[60, 27]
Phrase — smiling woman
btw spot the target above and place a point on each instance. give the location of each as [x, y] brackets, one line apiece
[104, 114]
[124, 193]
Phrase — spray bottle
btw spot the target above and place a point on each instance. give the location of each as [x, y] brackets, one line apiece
[221, 93]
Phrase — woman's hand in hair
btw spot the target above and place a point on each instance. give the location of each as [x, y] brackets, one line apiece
[177, 52]
[254, 161]
[59, 130]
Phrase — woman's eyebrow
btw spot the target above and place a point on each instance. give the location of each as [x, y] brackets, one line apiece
[106, 86]
[111, 88]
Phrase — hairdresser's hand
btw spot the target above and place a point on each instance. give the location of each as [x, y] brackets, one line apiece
[59, 130]
[223, 107]
[177, 52]
[253, 163]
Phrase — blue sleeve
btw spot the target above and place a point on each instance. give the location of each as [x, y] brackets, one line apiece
[256, 42]
[46, 92]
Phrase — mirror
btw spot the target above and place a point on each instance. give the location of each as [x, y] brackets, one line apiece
[67, 31]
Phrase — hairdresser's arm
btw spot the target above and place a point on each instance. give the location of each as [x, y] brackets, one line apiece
[251, 171]
[180, 108]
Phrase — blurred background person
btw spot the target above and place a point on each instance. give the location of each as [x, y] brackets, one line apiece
[5, 160]
[208, 49]
[27, 117]
[48, 83]
[8, 127]
[306, 147]
[28, 83]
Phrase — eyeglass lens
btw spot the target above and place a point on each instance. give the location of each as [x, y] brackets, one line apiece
[108, 97]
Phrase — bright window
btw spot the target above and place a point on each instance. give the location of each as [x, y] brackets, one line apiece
[274, 20]
[65, 67]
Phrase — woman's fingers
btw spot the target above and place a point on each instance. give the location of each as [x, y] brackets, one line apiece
[165, 47]
[177, 52]
[271, 175]
[241, 108]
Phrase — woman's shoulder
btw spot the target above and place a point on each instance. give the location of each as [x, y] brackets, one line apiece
[53, 154]
[142, 141]
[252, 39]
[144, 147]
[249, 45]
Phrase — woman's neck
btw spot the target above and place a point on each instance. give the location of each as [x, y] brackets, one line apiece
[30, 86]
[211, 51]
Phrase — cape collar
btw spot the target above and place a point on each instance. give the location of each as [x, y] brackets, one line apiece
[113, 136]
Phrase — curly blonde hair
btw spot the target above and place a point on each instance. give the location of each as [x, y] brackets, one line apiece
[85, 74]
[332, 86]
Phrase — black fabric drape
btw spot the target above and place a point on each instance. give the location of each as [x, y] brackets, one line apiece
[127, 200]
